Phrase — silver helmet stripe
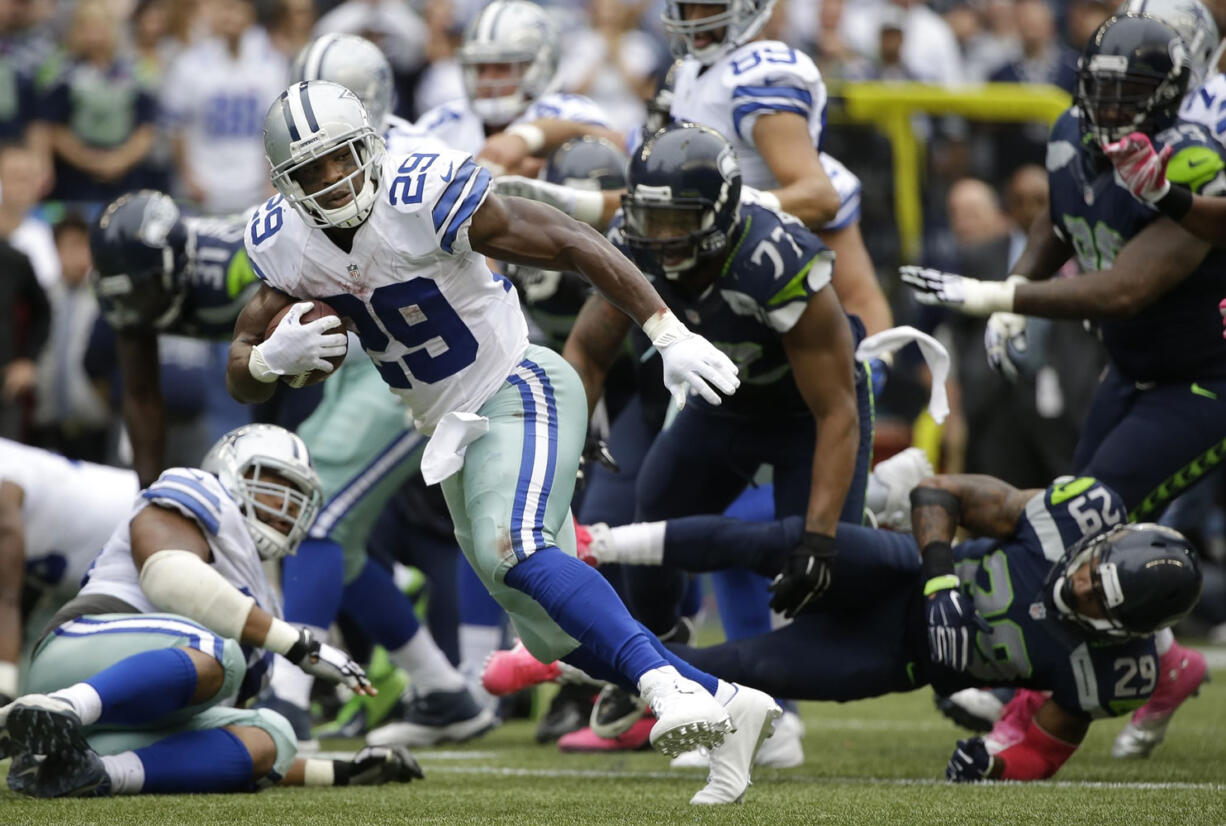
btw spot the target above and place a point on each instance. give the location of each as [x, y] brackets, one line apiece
[315, 61]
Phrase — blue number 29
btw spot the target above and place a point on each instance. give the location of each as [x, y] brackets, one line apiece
[395, 304]
[411, 178]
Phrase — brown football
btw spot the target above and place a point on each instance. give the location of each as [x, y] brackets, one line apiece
[318, 311]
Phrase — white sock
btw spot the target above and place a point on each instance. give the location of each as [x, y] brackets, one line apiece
[126, 771]
[84, 701]
[1163, 640]
[639, 543]
[290, 683]
[476, 643]
[428, 666]
[724, 692]
[657, 679]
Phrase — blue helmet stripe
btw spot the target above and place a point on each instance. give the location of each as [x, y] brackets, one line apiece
[312, 124]
[289, 117]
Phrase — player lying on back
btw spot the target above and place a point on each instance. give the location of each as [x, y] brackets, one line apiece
[138, 681]
[1054, 594]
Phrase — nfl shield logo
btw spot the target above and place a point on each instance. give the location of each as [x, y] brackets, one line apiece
[1038, 611]
[692, 316]
[353, 271]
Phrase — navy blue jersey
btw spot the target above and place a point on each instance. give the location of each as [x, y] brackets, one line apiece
[1178, 336]
[774, 267]
[1028, 645]
[219, 282]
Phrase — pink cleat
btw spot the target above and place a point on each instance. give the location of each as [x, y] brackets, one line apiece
[635, 738]
[506, 672]
[1180, 674]
[1015, 718]
[583, 543]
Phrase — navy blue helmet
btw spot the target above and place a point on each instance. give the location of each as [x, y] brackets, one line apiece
[1131, 77]
[683, 199]
[139, 246]
[588, 163]
[1145, 577]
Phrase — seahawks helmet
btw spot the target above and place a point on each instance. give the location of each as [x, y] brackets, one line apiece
[1145, 577]
[734, 26]
[683, 199]
[139, 245]
[520, 35]
[268, 472]
[312, 119]
[353, 62]
[1131, 77]
[1191, 21]
[588, 162]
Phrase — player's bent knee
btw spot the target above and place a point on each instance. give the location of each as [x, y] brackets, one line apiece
[210, 675]
[277, 733]
[260, 746]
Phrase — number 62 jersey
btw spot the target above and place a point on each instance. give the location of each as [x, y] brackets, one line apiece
[443, 331]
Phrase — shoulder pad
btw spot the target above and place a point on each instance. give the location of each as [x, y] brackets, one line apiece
[780, 263]
[193, 493]
[449, 183]
[768, 78]
[574, 108]
[269, 224]
[1072, 508]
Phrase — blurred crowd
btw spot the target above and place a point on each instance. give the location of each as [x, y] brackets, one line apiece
[99, 97]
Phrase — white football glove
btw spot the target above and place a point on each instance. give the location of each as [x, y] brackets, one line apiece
[295, 348]
[690, 361]
[1005, 340]
[1141, 169]
[581, 204]
[327, 662]
[957, 292]
[897, 476]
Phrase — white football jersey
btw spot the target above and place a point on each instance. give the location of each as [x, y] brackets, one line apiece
[760, 78]
[69, 510]
[403, 138]
[458, 126]
[200, 497]
[443, 330]
[1207, 106]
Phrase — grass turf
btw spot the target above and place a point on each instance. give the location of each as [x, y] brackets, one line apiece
[876, 761]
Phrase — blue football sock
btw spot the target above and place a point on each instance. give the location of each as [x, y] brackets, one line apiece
[379, 608]
[313, 582]
[586, 607]
[686, 670]
[197, 762]
[145, 687]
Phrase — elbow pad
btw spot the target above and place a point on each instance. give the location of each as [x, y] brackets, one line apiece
[180, 582]
[1036, 757]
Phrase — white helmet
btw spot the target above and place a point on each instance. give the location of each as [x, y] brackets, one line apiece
[1194, 25]
[313, 119]
[514, 32]
[253, 463]
[353, 62]
[741, 21]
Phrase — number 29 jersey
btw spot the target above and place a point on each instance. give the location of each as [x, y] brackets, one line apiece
[442, 330]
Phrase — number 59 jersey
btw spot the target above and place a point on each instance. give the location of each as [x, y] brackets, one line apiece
[443, 331]
[1028, 645]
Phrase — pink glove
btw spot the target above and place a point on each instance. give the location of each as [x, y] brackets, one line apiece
[1221, 308]
[1141, 168]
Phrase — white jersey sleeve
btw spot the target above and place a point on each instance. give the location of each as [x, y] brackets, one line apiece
[1207, 107]
[847, 184]
[455, 124]
[560, 106]
[276, 243]
[454, 195]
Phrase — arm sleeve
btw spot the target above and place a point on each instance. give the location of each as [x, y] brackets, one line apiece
[1036, 757]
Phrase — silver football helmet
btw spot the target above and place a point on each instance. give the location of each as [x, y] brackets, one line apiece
[519, 35]
[269, 473]
[1194, 25]
[740, 21]
[313, 119]
[353, 62]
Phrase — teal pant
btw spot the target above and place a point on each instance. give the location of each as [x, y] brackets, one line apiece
[512, 496]
[80, 648]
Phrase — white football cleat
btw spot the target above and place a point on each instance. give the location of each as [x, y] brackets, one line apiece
[686, 715]
[781, 750]
[693, 759]
[753, 715]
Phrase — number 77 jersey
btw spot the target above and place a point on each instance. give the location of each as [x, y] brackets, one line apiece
[443, 331]
[1028, 645]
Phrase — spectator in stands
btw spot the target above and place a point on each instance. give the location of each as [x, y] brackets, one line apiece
[929, 50]
[1044, 58]
[25, 318]
[1084, 18]
[71, 416]
[16, 83]
[442, 80]
[835, 57]
[22, 183]
[612, 62]
[290, 26]
[394, 27]
[986, 35]
[101, 118]
[214, 98]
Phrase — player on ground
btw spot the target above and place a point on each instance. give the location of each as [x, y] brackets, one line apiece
[1056, 594]
[137, 681]
[397, 244]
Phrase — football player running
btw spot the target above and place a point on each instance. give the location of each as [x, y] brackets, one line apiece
[138, 681]
[397, 245]
[1053, 593]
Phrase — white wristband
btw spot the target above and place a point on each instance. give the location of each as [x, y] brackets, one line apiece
[769, 200]
[531, 134]
[318, 772]
[8, 679]
[990, 297]
[281, 637]
[258, 368]
[182, 583]
[661, 324]
[588, 206]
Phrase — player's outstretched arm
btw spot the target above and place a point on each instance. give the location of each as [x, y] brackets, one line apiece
[12, 574]
[248, 332]
[804, 190]
[1050, 739]
[504, 151]
[593, 344]
[984, 505]
[144, 410]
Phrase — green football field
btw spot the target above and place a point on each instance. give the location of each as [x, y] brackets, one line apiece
[877, 761]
